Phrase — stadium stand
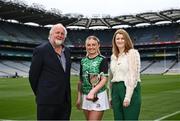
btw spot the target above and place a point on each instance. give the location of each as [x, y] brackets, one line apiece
[11, 68]
[158, 44]
[158, 67]
[175, 69]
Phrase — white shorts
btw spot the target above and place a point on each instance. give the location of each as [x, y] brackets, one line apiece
[101, 104]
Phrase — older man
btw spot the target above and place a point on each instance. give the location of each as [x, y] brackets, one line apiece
[49, 76]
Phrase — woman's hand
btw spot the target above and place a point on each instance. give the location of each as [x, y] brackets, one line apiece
[78, 104]
[79, 96]
[90, 95]
[126, 103]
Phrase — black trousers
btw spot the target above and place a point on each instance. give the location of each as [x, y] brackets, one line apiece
[53, 112]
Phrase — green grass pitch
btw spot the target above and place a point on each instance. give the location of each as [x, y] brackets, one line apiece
[160, 97]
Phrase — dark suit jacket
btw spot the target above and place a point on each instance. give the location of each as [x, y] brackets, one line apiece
[49, 82]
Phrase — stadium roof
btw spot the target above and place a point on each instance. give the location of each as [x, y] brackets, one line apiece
[37, 14]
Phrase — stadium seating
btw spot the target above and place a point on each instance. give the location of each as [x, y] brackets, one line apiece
[158, 67]
[19, 33]
[10, 68]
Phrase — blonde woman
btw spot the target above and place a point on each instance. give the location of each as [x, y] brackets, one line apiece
[92, 96]
[125, 77]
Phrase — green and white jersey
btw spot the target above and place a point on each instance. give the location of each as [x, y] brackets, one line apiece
[96, 65]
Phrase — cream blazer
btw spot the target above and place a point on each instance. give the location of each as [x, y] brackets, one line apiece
[133, 71]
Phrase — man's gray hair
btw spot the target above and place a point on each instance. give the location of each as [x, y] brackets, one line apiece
[54, 26]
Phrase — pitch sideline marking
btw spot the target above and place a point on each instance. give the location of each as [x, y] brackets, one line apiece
[169, 115]
[5, 120]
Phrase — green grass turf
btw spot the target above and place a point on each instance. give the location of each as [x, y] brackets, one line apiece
[174, 117]
[160, 97]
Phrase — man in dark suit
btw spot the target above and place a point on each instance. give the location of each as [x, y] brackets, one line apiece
[49, 77]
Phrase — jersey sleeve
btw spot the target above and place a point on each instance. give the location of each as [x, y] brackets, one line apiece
[80, 73]
[104, 66]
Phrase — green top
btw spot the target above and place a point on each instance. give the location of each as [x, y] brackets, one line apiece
[97, 66]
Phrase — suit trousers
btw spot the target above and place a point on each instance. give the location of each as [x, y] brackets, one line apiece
[53, 112]
[125, 113]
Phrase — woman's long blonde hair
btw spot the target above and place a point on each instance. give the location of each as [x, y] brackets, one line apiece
[128, 42]
[93, 38]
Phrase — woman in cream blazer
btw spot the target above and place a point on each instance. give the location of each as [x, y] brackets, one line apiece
[125, 78]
